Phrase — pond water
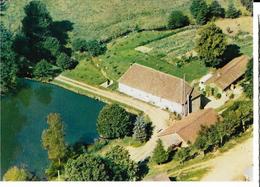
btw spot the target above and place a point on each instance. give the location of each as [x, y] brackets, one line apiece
[23, 118]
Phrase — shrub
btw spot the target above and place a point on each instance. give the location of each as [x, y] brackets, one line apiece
[95, 48]
[64, 61]
[199, 11]
[160, 155]
[141, 129]
[177, 19]
[218, 95]
[184, 154]
[79, 45]
[43, 70]
[17, 174]
[232, 12]
[216, 10]
[114, 122]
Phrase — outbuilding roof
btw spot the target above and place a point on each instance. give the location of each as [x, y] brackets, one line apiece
[189, 127]
[157, 83]
[228, 74]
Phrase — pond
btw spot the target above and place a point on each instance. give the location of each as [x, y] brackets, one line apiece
[23, 118]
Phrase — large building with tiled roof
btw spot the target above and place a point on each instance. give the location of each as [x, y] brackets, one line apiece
[161, 89]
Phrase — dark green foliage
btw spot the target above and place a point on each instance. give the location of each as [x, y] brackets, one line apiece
[248, 4]
[211, 44]
[141, 129]
[247, 84]
[64, 61]
[36, 27]
[79, 45]
[8, 66]
[160, 155]
[177, 19]
[87, 167]
[216, 10]
[53, 137]
[52, 45]
[93, 47]
[99, 144]
[199, 11]
[232, 12]
[43, 70]
[114, 122]
[124, 169]
[184, 154]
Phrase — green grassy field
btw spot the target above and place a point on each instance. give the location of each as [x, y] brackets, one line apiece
[121, 54]
[105, 19]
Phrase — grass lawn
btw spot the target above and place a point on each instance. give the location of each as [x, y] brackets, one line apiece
[121, 54]
[86, 72]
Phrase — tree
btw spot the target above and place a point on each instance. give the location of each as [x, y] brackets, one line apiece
[177, 20]
[232, 12]
[201, 142]
[199, 11]
[123, 167]
[52, 45]
[43, 70]
[160, 155]
[64, 61]
[247, 84]
[95, 48]
[17, 174]
[114, 122]
[211, 44]
[36, 27]
[87, 167]
[53, 138]
[248, 4]
[79, 45]
[183, 154]
[8, 66]
[140, 129]
[216, 10]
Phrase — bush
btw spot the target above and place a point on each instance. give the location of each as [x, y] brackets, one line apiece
[218, 95]
[177, 20]
[43, 70]
[160, 155]
[216, 10]
[184, 154]
[17, 174]
[64, 61]
[95, 48]
[114, 122]
[232, 12]
[199, 11]
[98, 145]
[79, 45]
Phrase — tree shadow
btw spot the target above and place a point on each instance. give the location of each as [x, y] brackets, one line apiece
[232, 51]
[204, 101]
[143, 168]
[149, 130]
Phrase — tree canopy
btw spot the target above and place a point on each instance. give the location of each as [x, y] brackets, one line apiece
[199, 10]
[114, 122]
[64, 61]
[248, 81]
[17, 174]
[124, 169]
[177, 19]
[43, 70]
[216, 10]
[160, 155]
[141, 129]
[87, 167]
[8, 66]
[232, 12]
[211, 44]
[53, 137]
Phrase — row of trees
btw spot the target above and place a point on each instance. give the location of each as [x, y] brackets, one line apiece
[203, 13]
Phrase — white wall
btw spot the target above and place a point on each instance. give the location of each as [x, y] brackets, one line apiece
[160, 102]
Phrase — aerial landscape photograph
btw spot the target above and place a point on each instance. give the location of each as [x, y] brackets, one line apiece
[126, 90]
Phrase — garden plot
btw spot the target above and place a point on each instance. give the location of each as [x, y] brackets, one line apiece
[143, 49]
[173, 46]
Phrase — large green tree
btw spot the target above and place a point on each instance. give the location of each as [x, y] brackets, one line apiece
[160, 155]
[113, 122]
[211, 44]
[53, 138]
[232, 12]
[36, 28]
[43, 70]
[8, 64]
[216, 10]
[64, 61]
[199, 10]
[87, 167]
[17, 174]
[177, 19]
[141, 131]
[124, 169]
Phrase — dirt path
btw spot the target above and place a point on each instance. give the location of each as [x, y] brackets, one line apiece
[158, 117]
[230, 165]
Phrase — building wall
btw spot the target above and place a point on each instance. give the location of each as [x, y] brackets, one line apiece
[160, 102]
[196, 104]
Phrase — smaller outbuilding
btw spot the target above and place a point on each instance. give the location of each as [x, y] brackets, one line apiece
[224, 77]
[181, 132]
